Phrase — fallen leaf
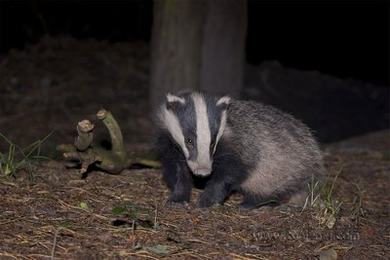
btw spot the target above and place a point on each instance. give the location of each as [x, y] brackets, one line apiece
[84, 206]
[329, 254]
[159, 249]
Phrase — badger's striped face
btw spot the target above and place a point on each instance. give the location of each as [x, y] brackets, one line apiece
[196, 123]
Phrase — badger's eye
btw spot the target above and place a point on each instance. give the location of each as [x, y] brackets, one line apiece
[189, 141]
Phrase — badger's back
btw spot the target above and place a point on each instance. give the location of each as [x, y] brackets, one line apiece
[279, 150]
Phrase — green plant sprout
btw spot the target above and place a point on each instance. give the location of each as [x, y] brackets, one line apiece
[17, 158]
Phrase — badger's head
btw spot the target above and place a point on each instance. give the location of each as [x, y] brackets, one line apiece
[196, 123]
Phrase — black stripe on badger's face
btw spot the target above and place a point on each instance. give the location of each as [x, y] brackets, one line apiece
[196, 123]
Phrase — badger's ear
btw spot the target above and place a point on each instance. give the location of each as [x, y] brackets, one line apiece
[173, 101]
[224, 102]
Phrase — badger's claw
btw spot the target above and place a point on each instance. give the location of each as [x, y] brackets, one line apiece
[176, 200]
[176, 204]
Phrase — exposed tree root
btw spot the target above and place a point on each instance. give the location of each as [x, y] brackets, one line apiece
[83, 153]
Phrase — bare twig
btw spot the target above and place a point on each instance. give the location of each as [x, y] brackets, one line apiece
[54, 244]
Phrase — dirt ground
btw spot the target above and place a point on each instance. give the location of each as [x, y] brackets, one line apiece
[50, 86]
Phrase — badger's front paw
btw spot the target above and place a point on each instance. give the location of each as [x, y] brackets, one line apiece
[206, 200]
[176, 200]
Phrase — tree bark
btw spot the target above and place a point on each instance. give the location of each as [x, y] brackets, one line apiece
[197, 45]
[223, 50]
[176, 47]
[2, 28]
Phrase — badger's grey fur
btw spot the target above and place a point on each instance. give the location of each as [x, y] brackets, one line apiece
[235, 145]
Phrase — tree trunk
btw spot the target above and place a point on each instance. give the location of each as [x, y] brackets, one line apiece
[2, 28]
[197, 45]
[176, 47]
[223, 50]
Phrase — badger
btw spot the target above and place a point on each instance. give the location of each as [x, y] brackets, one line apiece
[234, 146]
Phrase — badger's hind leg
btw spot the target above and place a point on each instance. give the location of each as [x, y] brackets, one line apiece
[253, 201]
[294, 194]
[297, 199]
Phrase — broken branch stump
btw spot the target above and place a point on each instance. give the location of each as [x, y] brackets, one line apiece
[84, 153]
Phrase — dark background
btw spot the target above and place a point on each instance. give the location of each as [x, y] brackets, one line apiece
[341, 38]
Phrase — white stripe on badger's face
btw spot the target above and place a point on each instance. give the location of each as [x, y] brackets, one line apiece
[202, 165]
[171, 123]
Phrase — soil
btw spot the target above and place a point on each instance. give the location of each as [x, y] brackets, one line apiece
[51, 86]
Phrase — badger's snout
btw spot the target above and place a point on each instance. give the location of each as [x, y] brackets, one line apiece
[198, 169]
[202, 172]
